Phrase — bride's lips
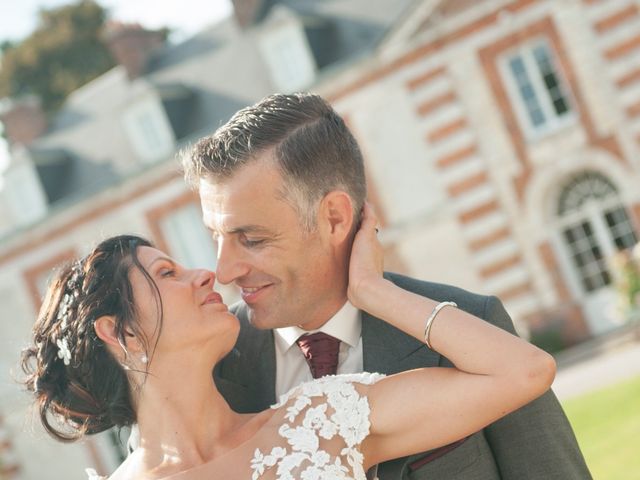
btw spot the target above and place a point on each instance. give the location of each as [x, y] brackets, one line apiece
[252, 294]
[213, 297]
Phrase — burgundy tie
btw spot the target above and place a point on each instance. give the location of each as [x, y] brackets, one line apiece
[321, 352]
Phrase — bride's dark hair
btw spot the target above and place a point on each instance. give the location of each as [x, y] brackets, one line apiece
[79, 386]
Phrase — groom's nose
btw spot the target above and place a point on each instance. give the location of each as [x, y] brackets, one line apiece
[231, 263]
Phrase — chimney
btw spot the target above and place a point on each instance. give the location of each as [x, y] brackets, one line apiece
[23, 120]
[131, 45]
[246, 11]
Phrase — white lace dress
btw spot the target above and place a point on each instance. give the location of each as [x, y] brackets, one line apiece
[325, 422]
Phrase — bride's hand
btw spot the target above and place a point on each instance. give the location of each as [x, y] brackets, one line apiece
[366, 263]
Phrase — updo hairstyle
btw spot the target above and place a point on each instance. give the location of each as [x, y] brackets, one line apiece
[79, 386]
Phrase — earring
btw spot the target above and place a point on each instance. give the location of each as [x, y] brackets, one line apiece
[144, 359]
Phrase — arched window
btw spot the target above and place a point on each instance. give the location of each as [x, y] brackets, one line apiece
[594, 225]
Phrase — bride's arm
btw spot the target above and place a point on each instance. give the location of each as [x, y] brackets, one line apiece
[495, 372]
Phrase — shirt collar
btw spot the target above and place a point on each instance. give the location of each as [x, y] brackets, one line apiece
[345, 325]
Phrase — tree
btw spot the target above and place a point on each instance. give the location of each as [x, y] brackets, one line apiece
[62, 54]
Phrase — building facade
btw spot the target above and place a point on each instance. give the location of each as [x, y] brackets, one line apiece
[520, 124]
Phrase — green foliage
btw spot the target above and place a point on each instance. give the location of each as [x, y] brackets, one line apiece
[62, 54]
[6, 45]
[606, 423]
[626, 267]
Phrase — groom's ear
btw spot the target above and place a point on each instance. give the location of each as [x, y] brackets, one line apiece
[336, 216]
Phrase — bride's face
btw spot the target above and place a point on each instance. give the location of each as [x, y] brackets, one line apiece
[185, 313]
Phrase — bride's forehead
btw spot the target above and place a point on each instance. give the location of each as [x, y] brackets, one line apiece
[148, 254]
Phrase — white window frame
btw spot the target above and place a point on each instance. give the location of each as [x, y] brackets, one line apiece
[191, 244]
[188, 240]
[288, 56]
[23, 194]
[553, 122]
[149, 130]
[591, 215]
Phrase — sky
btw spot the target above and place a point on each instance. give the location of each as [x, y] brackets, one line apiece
[18, 18]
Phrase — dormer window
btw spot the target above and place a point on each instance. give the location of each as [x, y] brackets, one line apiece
[286, 51]
[23, 196]
[148, 129]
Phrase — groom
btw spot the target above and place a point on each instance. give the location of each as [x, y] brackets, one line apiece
[282, 186]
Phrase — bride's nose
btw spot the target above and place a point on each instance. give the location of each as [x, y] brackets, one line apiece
[204, 277]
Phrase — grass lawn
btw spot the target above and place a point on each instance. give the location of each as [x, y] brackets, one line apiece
[607, 424]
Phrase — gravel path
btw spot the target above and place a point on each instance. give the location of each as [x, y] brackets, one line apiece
[605, 367]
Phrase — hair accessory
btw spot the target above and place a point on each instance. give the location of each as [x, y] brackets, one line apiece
[72, 292]
[63, 350]
[434, 314]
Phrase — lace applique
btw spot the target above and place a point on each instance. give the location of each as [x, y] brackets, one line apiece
[342, 414]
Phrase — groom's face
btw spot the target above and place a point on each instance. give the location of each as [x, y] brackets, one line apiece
[286, 274]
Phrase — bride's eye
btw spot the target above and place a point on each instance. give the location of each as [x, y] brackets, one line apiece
[167, 272]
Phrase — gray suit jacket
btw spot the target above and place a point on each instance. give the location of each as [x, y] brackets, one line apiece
[535, 442]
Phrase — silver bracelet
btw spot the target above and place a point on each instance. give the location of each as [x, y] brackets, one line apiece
[432, 317]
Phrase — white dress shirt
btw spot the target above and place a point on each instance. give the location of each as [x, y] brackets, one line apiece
[292, 368]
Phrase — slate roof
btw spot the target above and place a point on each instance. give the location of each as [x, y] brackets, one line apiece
[64, 176]
[201, 81]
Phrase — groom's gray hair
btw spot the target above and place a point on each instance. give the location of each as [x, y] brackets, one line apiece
[313, 148]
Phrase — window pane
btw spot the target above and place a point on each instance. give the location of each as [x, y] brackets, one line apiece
[581, 260]
[560, 106]
[550, 79]
[569, 236]
[517, 67]
[620, 228]
[587, 256]
[587, 229]
[537, 117]
[527, 91]
[587, 284]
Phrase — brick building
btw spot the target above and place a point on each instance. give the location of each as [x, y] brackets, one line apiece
[520, 124]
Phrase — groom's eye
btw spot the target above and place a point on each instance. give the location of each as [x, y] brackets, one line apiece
[252, 242]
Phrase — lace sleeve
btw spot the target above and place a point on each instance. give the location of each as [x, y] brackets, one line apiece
[324, 423]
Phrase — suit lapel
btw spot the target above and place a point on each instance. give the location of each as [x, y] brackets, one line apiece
[247, 376]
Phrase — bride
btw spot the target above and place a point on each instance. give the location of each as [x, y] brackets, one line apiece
[126, 335]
